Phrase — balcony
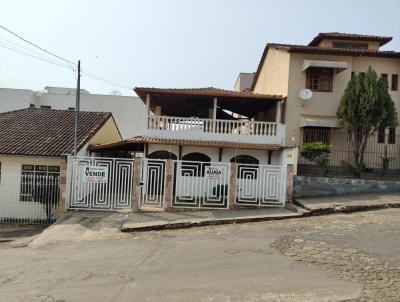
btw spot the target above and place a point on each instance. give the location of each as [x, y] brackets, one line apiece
[244, 131]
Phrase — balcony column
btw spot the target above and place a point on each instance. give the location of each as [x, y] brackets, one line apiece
[148, 110]
[278, 111]
[215, 115]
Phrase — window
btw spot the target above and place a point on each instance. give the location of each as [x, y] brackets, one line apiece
[352, 74]
[71, 108]
[385, 76]
[381, 135]
[316, 134]
[39, 183]
[392, 135]
[319, 79]
[395, 82]
[45, 107]
[247, 168]
[350, 45]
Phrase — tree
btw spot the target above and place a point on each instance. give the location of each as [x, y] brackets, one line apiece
[365, 106]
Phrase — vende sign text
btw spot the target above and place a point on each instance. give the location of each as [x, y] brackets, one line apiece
[95, 174]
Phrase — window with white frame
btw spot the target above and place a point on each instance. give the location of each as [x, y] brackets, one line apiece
[39, 182]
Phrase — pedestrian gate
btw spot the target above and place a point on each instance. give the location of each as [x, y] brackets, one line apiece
[99, 183]
[152, 183]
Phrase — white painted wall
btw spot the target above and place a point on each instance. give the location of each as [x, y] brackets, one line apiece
[129, 112]
[10, 181]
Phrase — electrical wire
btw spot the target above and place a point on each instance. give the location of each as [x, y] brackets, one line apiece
[34, 54]
[37, 46]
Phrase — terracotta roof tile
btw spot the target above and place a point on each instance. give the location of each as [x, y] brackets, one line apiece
[346, 36]
[46, 132]
[322, 51]
[186, 142]
[207, 91]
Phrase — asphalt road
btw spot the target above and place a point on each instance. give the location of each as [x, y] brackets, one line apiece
[343, 257]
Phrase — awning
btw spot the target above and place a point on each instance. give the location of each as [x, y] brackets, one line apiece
[339, 66]
[319, 121]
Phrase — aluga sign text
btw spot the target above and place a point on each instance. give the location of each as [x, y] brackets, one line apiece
[95, 174]
[213, 172]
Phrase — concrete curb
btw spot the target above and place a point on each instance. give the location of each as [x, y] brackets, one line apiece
[346, 209]
[180, 224]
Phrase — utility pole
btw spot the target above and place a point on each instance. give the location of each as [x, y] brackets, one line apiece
[78, 95]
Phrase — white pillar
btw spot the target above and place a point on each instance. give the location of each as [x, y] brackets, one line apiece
[278, 111]
[215, 114]
[148, 110]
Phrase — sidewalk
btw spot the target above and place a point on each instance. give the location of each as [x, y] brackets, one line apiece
[349, 203]
[143, 221]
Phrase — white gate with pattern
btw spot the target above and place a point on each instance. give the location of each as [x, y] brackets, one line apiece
[201, 184]
[152, 183]
[110, 193]
[260, 185]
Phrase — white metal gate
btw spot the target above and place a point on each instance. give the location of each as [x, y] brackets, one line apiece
[260, 185]
[110, 191]
[201, 184]
[152, 183]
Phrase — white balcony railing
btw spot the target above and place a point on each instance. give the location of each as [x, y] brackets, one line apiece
[236, 127]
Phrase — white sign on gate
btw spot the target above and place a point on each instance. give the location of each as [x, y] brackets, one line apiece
[213, 172]
[95, 174]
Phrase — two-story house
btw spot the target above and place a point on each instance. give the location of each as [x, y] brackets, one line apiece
[324, 66]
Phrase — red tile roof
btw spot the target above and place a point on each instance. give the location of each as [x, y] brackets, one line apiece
[186, 142]
[322, 51]
[207, 91]
[46, 132]
[346, 36]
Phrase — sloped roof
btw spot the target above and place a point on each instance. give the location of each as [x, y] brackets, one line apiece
[46, 132]
[291, 48]
[185, 142]
[207, 92]
[346, 36]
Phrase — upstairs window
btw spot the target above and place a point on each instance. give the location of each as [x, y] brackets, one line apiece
[395, 82]
[350, 45]
[319, 79]
[385, 76]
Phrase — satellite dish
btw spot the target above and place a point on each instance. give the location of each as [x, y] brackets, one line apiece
[305, 94]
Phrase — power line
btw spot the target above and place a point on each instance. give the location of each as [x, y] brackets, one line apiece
[47, 59]
[3, 45]
[37, 46]
[105, 81]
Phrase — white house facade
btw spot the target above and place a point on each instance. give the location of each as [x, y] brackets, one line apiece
[125, 109]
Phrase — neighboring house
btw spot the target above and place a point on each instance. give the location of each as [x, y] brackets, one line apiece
[202, 121]
[324, 66]
[206, 132]
[124, 108]
[34, 144]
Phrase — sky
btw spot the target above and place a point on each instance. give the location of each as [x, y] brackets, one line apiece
[169, 43]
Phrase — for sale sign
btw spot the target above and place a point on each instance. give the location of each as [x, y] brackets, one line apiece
[95, 174]
[213, 172]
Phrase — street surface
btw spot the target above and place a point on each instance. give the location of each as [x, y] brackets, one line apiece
[342, 257]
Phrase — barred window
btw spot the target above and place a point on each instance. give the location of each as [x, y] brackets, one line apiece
[38, 182]
[316, 134]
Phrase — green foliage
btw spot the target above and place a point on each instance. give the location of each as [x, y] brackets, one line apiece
[367, 104]
[317, 152]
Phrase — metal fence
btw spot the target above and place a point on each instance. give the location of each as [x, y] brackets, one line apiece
[381, 157]
[29, 198]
